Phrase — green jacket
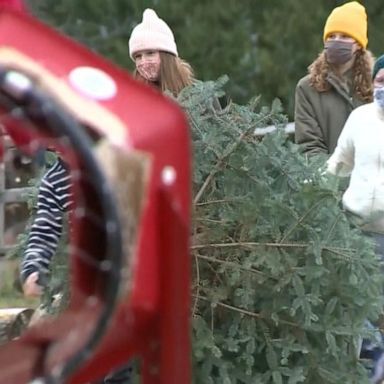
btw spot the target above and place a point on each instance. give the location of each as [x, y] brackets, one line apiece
[320, 116]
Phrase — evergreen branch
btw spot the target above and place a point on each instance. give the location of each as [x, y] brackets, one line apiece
[206, 182]
[266, 333]
[257, 315]
[344, 256]
[220, 161]
[302, 218]
[216, 275]
[197, 285]
[245, 312]
[249, 245]
[218, 202]
[211, 220]
[195, 125]
[230, 307]
[244, 173]
[335, 250]
[333, 226]
[233, 264]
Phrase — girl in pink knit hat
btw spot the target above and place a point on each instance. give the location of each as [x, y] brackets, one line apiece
[153, 48]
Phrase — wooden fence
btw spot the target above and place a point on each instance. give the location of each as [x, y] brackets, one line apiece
[10, 195]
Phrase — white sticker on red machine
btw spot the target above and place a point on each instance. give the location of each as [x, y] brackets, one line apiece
[93, 83]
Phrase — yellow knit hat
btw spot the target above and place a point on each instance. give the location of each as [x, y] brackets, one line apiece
[350, 19]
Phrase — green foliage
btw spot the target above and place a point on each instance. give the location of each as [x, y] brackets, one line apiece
[283, 283]
[265, 45]
[9, 296]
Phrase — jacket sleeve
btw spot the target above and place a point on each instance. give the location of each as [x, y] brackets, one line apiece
[341, 162]
[307, 129]
[45, 231]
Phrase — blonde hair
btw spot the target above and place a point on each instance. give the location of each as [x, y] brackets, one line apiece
[362, 74]
[175, 74]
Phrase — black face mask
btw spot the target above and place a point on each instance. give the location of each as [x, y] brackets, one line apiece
[338, 52]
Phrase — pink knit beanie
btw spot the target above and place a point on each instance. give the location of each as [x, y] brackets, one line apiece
[152, 33]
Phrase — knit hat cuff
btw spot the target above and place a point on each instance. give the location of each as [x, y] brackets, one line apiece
[344, 27]
[148, 40]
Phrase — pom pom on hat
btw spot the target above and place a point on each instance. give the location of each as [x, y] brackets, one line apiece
[152, 33]
[350, 19]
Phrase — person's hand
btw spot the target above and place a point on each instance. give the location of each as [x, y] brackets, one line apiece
[30, 287]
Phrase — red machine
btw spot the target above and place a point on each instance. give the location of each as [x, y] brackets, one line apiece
[149, 316]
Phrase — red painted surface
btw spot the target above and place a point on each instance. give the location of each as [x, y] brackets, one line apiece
[15, 5]
[152, 320]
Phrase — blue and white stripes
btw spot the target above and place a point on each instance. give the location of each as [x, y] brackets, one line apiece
[54, 198]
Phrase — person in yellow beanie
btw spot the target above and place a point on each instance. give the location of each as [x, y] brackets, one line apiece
[153, 48]
[339, 80]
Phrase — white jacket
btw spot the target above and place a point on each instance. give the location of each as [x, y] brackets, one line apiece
[360, 153]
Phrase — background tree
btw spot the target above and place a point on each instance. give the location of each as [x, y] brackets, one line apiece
[264, 46]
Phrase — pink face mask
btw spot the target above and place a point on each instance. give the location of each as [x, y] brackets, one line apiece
[148, 64]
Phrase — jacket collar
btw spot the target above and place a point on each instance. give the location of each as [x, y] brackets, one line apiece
[340, 88]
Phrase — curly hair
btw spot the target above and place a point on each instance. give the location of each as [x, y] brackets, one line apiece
[175, 74]
[362, 74]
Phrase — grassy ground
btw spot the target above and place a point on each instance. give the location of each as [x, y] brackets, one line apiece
[10, 297]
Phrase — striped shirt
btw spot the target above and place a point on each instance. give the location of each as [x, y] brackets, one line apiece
[54, 198]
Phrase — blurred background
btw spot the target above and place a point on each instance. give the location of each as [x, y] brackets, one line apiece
[264, 46]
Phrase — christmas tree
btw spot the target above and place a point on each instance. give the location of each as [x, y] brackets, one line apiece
[283, 282]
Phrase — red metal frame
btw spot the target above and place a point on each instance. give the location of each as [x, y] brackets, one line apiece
[151, 321]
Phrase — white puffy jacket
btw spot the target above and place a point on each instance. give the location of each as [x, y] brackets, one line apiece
[360, 153]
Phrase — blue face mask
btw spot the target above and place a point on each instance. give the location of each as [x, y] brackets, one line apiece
[378, 95]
